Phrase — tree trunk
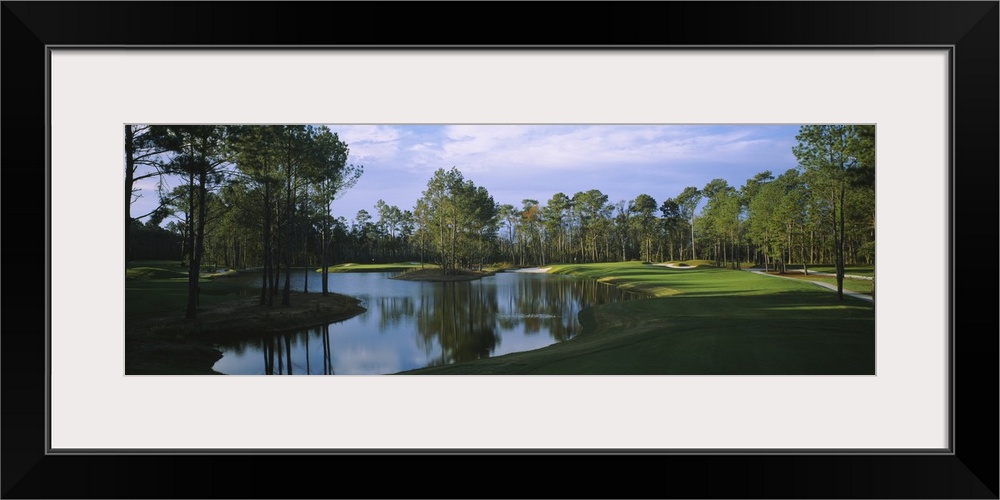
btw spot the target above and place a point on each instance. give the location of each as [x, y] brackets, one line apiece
[276, 257]
[839, 247]
[454, 235]
[725, 255]
[788, 227]
[192, 308]
[266, 246]
[443, 242]
[286, 299]
[324, 263]
[802, 251]
[129, 173]
[271, 269]
[812, 246]
[692, 236]
[305, 263]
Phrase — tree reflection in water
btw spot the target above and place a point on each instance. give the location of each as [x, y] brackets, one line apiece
[459, 318]
[282, 347]
[411, 325]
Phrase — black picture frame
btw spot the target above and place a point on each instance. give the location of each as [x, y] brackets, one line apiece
[970, 28]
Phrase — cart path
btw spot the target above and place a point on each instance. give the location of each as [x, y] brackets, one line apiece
[859, 296]
[832, 275]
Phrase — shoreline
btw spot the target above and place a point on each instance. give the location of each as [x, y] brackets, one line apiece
[787, 330]
[173, 345]
[436, 276]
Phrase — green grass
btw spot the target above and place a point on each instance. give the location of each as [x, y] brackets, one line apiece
[857, 270]
[155, 263]
[155, 273]
[707, 321]
[367, 268]
[691, 263]
[661, 281]
[497, 267]
[161, 287]
[851, 285]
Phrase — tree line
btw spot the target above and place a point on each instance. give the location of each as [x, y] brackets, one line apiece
[261, 197]
[254, 195]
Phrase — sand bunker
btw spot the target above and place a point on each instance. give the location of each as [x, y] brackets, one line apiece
[677, 266]
[533, 270]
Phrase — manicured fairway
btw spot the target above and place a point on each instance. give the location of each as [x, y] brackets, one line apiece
[848, 270]
[850, 284]
[161, 287]
[703, 321]
[368, 268]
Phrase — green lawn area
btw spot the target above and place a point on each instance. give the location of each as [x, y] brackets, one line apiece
[691, 263]
[368, 268]
[706, 321]
[160, 287]
[859, 270]
[850, 284]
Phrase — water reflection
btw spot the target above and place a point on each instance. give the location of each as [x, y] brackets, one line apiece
[460, 318]
[281, 354]
[411, 324]
[394, 310]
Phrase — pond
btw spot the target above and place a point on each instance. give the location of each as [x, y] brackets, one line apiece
[412, 324]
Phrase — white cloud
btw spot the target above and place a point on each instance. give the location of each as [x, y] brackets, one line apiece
[536, 161]
[368, 143]
[367, 133]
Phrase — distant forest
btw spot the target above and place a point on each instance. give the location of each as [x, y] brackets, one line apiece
[261, 197]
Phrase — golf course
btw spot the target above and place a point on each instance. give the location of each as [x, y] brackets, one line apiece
[630, 250]
[702, 321]
[696, 319]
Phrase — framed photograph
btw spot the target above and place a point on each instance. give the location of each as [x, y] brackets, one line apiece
[889, 419]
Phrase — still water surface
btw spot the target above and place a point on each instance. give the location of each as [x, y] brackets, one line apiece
[412, 324]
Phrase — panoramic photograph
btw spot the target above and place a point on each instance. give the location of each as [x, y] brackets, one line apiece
[467, 249]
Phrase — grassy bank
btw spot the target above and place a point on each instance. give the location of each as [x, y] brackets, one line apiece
[703, 320]
[850, 284]
[160, 341]
[415, 271]
[437, 275]
[856, 270]
[154, 288]
[351, 267]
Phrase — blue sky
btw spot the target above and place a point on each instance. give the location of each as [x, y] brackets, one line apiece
[516, 162]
